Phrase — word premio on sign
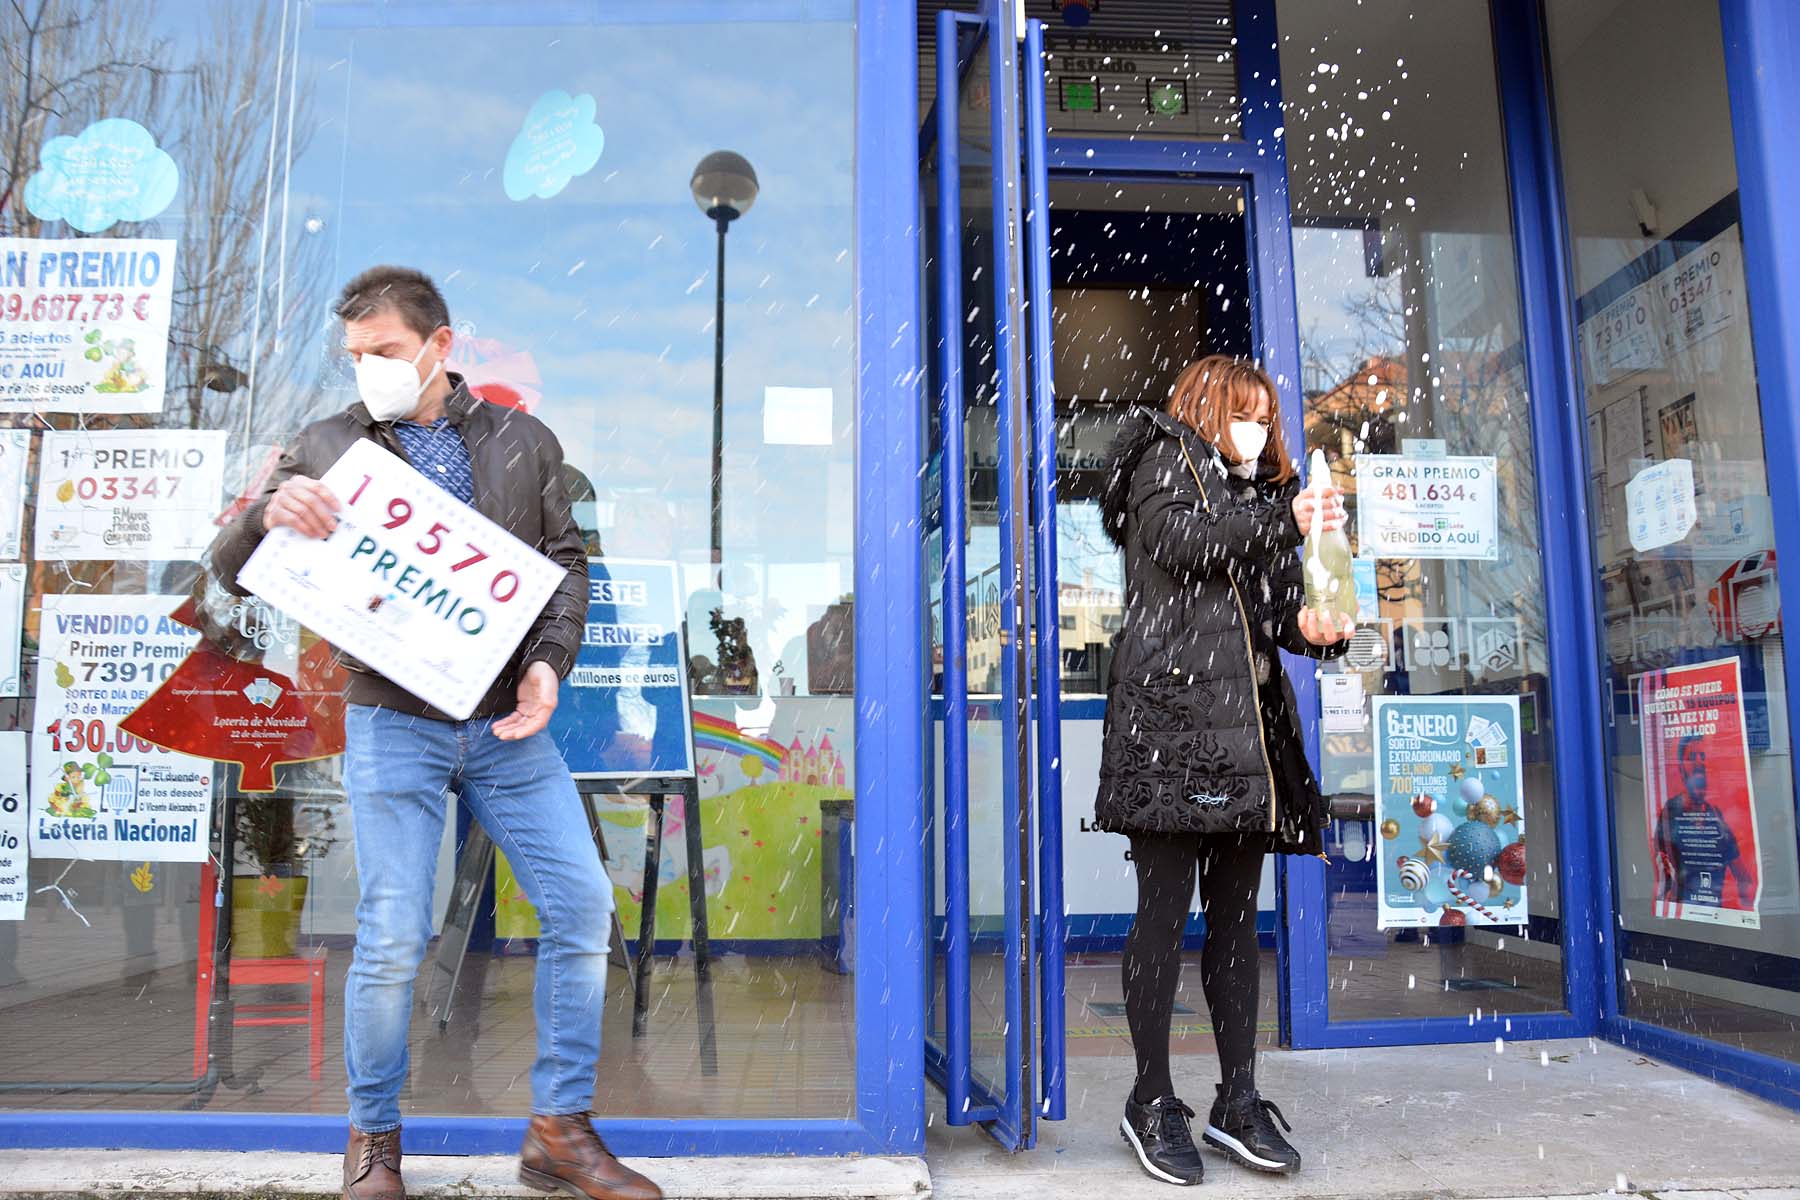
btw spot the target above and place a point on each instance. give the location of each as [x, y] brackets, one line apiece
[1426, 507]
[420, 587]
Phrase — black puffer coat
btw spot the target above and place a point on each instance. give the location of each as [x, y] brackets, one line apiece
[1202, 734]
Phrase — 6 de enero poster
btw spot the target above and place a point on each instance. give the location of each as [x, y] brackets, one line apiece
[97, 792]
[1451, 811]
[1699, 808]
[84, 324]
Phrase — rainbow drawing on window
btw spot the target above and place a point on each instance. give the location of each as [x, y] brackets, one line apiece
[758, 754]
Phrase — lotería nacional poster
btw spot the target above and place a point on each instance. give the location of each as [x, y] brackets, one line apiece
[1450, 810]
[13, 847]
[146, 494]
[84, 324]
[1700, 813]
[96, 791]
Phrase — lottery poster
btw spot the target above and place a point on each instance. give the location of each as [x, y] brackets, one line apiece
[624, 710]
[416, 584]
[146, 494]
[84, 324]
[1700, 813]
[98, 792]
[14, 857]
[1450, 810]
[15, 454]
[12, 628]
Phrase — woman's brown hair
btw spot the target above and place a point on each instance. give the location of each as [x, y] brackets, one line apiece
[1210, 393]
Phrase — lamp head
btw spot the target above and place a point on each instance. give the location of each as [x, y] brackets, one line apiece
[724, 185]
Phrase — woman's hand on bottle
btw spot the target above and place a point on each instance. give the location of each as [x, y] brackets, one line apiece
[1323, 628]
[1331, 506]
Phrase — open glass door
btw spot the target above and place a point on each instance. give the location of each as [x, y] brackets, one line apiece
[995, 808]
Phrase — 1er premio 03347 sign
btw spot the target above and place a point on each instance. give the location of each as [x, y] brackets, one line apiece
[84, 324]
[419, 586]
[96, 791]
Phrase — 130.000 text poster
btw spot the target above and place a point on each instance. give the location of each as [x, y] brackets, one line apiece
[1699, 808]
[97, 792]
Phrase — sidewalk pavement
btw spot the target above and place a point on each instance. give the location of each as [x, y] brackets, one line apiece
[1490, 1122]
[1528, 1119]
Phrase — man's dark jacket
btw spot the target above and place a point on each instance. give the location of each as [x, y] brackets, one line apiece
[517, 464]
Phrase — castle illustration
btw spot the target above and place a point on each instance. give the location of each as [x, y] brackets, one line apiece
[817, 765]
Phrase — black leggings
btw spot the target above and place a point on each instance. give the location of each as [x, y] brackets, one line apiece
[1230, 869]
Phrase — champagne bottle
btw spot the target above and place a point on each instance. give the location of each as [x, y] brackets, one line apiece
[1330, 585]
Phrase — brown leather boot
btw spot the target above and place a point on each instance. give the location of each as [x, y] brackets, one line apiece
[564, 1154]
[372, 1166]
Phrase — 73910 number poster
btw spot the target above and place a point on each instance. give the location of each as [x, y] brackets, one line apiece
[416, 584]
[96, 791]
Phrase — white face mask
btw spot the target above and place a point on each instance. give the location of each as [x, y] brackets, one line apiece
[1247, 439]
[390, 387]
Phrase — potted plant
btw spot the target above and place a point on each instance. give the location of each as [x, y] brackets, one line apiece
[277, 833]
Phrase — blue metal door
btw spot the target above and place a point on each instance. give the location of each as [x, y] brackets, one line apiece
[994, 1040]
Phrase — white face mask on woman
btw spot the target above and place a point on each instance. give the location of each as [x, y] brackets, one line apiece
[1248, 439]
[390, 387]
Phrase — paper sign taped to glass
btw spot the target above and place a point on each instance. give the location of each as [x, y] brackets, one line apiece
[417, 585]
[1427, 506]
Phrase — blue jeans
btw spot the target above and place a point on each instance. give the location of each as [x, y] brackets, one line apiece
[397, 771]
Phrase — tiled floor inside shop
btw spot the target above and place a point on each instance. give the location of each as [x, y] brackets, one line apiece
[784, 1034]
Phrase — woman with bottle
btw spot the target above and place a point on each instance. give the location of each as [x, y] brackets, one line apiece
[1203, 763]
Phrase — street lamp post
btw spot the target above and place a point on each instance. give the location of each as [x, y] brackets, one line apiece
[724, 186]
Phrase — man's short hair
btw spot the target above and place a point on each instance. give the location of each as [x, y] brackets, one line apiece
[1681, 747]
[408, 294]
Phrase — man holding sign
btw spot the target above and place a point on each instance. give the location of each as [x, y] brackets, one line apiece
[440, 567]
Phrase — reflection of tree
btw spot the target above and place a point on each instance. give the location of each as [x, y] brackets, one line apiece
[240, 288]
[63, 58]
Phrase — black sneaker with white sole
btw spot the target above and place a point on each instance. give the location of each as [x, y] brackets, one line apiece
[1244, 1128]
[1164, 1142]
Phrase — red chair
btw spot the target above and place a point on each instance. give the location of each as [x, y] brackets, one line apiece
[307, 970]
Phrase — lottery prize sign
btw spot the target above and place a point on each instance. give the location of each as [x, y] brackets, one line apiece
[419, 586]
[128, 494]
[1418, 506]
[84, 324]
[98, 792]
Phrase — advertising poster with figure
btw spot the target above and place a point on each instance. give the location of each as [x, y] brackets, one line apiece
[1450, 810]
[141, 494]
[13, 852]
[84, 324]
[98, 792]
[1699, 808]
